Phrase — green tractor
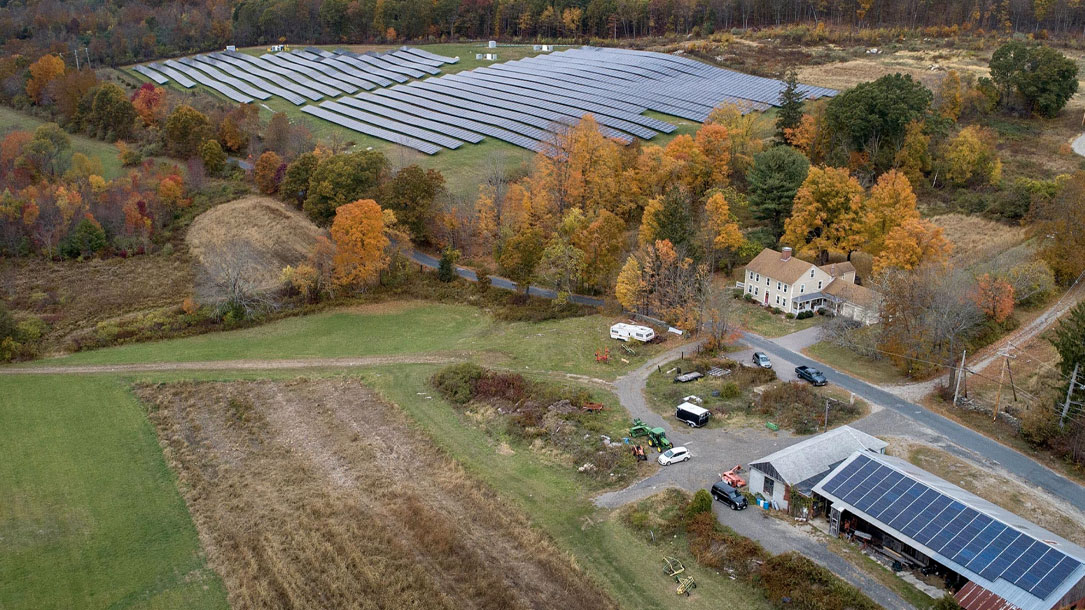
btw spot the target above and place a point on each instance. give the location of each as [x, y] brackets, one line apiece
[657, 437]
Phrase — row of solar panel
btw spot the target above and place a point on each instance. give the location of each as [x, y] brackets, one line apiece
[243, 78]
[950, 528]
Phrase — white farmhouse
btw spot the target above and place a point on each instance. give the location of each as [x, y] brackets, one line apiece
[778, 279]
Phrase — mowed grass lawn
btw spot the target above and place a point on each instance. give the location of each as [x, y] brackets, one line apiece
[90, 516]
[567, 345]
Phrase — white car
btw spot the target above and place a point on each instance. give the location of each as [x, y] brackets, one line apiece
[673, 456]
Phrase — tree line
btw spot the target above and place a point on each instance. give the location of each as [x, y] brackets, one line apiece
[119, 33]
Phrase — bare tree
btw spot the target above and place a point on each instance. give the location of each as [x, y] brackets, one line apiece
[231, 277]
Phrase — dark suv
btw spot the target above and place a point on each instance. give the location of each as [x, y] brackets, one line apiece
[728, 495]
[811, 374]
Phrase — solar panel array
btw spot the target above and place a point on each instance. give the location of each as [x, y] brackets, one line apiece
[308, 75]
[950, 528]
[523, 102]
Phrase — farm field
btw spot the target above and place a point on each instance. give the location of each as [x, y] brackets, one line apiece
[91, 515]
[400, 328]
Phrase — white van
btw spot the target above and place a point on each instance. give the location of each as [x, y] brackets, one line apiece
[692, 415]
[626, 332]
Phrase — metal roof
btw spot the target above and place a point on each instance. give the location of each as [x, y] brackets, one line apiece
[816, 455]
[1015, 559]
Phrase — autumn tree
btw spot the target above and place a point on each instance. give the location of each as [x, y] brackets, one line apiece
[213, 157]
[342, 178]
[774, 181]
[562, 262]
[667, 218]
[295, 184]
[871, 117]
[268, 172]
[48, 154]
[790, 112]
[723, 231]
[891, 203]
[914, 157]
[149, 103]
[994, 297]
[950, 96]
[828, 214]
[1058, 225]
[911, 244]
[520, 255]
[714, 141]
[747, 132]
[286, 138]
[111, 113]
[186, 128]
[42, 74]
[971, 158]
[358, 234]
[412, 194]
[628, 289]
[602, 242]
[579, 167]
[693, 170]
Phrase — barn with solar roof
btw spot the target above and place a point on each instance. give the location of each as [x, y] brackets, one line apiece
[991, 557]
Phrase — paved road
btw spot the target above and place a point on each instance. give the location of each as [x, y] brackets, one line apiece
[499, 282]
[1017, 463]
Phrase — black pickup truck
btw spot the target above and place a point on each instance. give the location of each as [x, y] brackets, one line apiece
[811, 374]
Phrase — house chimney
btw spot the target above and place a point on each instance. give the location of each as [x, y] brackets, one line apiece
[786, 254]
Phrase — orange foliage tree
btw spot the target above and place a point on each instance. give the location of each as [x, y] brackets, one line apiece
[828, 214]
[149, 102]
[715, 144]
[268, 172]
[892, 202]
[994, 297]
[358, 233]
[913, 243]
[723, 230]
[42, 73]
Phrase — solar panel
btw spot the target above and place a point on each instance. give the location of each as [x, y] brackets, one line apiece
[406, 62]
[345, 67]
[339, 86]
[391, 125]
[285, 72]
[154, 75]
[217, 75]
[409, 119]
[423, 53]
[255, 81]
[381, 62]
[369, 67]
[177, 77]
[209, 82]
[360, 127]
[271, 77]
[326, 70]
[948, 527]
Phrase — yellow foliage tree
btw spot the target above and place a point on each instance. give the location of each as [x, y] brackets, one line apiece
[515, 209]
[715, 144]
[629, 288]
[485, 229]
[951, 97]
[722, 227]
[914, 157]
[358, 234]
[692, 165]
[828, 214]
[649, 222]
[747, 132]
[43, 72]
[912, 243]
[602, 243]
[892, 202]
[971, 157]
[656, 171]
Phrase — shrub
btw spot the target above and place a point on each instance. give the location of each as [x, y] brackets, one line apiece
[730, 390]
[803, 315]
[808, 585]
[748, 297]
[777, 310]
[789, 316]
[456, 383]
[700, 503]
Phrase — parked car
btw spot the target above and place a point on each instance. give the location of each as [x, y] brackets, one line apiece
[761, 360]
[723, 492]
[811, 374]
[688, 377]
[692, 414]
[673, 456]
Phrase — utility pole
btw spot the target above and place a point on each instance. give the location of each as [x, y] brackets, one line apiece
[1009, 370]
[826, 415]
[960, 373]
[1069, 392]
[998, 397]
[76, 53]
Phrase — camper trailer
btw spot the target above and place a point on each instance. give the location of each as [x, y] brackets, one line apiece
[628, 332]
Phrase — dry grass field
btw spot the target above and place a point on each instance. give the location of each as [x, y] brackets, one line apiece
[260, 234]
[317, 494]
[977, 239]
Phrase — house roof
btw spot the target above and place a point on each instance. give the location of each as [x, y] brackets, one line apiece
[816, 455]
[838, 269]
[852, 293]
[770, 263]
[974, 597]
[1016, 560]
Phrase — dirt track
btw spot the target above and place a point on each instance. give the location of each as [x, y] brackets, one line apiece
[234, 365]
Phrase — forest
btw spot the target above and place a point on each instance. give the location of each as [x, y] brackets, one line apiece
[116, 33]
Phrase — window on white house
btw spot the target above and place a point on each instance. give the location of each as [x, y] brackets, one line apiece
[779, 286]
[819, 284]
[785, 303]
[802, 288]
[767, 489]
[767, 281]
[811, 273]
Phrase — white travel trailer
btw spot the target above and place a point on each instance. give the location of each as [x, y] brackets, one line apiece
[627, 332]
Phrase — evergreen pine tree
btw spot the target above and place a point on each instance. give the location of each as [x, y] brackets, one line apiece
[790, 113]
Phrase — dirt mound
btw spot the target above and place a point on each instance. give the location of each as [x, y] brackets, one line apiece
[254, 237]
[318, 494]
